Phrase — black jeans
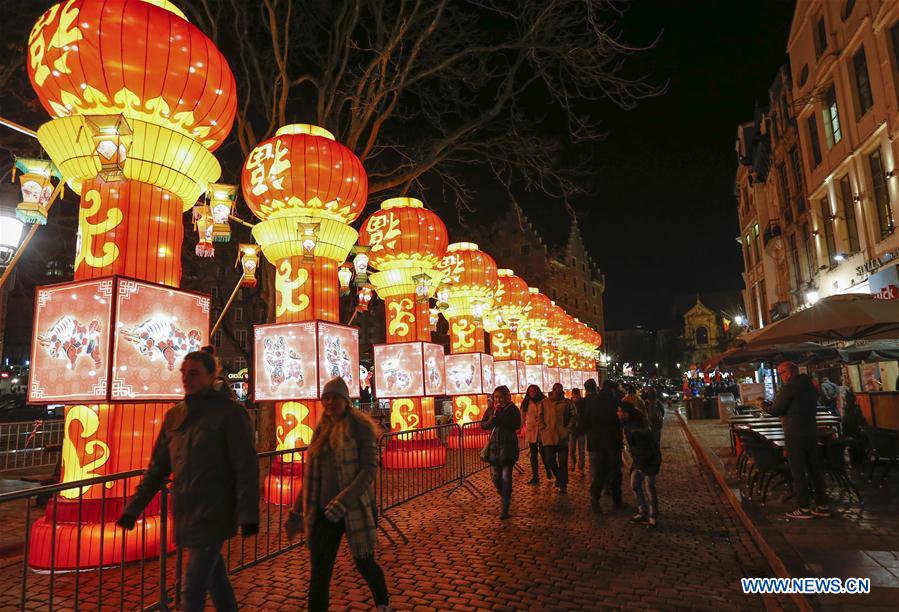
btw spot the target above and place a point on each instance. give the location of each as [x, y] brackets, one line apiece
[324, 542]
[537, 450]
[502, 480]
[206, 572]
[805, 459]
[557, 460]
[605, 471]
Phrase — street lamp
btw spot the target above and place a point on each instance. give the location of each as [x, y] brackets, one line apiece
[740, 320]
[10, 225]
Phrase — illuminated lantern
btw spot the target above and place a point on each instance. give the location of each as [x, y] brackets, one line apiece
[471, 280]
[344, 276]
[221, 205]
[306, 188]
[364, 296]
[248, 257]
[535, 322]
[511, 304]
[36, 182]
[405, 243]
[136, 117]
[204, 225]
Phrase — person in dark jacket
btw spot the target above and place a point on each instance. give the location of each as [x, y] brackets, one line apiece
[646, 459]
[603, 432]
[796, 404]
[207, 445]
[504, 420]
[577, 440]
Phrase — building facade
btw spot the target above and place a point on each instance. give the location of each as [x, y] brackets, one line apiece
[816, 184]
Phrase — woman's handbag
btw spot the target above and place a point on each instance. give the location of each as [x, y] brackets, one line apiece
[485, 452]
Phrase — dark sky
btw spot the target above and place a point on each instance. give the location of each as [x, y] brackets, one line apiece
[664, 221]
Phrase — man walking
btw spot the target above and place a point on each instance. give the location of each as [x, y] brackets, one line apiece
[207, 445]
[604, 443]
[577, 441]
[554, 415]
[796, 404]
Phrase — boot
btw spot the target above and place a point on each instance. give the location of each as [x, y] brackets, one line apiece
[504, 514]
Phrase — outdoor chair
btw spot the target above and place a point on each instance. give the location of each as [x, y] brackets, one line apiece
[883, 447]
[769, 468]
[746, 436]
[835, 465]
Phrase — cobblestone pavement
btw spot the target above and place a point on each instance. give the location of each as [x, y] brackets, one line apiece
[553, 554]
[860, 540]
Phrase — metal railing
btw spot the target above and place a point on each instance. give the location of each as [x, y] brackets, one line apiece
[30, 444]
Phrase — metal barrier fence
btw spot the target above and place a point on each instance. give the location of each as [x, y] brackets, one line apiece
[30, 444]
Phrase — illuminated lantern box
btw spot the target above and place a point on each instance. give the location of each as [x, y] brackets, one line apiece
[293, 361]
[552, 377]
[511, 373]
[536, 375]
[566, 378]
[409, 369]
[77, 357]
[469, 374]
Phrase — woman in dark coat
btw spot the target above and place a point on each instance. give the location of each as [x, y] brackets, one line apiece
[646, 459]
[503, 420]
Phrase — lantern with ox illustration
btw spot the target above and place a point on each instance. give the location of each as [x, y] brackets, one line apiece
[406, 242]
[470, 282]
[135, 120]
[306, 188]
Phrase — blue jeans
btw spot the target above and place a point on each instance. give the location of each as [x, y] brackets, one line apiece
[206, 572]
[639, 482]
[502, 480]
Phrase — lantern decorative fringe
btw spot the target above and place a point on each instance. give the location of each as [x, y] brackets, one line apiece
[248, 258]
[37, 187]
[221, 203]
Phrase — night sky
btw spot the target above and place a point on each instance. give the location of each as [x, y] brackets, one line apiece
[664, 221]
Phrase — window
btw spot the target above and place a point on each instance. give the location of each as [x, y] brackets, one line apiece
[796, 162]
[813, 140]
[755, 242]
[894, 34]
[241, 336]
[795, 269]
[239, 363]
[810, 258]
[849, 214]
[847, 9]
[763, 303]
[238, 314]
[702, 336]
[786, 199]
[820, 37]
[217, 339]
[832, 118]
[747, 252]
[881, 195]
[827, 222]
[594, 291]
[215, 292]
[864, 97]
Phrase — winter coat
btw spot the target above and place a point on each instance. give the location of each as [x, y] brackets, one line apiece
[645, 453]
[601, 422]
[529, 411]
[553, 418]
[504, 424]
[206, 443]
[796, 403]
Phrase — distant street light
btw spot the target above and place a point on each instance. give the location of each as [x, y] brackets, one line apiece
[740, 320]
[10, 226]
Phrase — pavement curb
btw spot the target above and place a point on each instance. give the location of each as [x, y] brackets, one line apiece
[774, 560]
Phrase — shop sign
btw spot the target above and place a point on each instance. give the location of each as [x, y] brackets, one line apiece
[872, 265]
[885, 284]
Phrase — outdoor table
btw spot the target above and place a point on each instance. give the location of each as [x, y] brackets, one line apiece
[758, 423]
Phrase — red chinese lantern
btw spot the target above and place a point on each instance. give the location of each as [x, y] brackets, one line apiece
[136, 117]
[539, 311]
[406, 242]
[306, 188]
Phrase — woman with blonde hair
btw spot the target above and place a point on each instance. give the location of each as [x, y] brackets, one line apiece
[338, 496]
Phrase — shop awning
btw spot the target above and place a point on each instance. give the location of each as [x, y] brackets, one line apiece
[802, 352]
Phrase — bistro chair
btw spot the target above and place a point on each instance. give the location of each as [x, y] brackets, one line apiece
[883, 447]
[770, 468]
[835, 465]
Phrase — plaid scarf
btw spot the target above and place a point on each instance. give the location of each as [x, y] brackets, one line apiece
[359, 515]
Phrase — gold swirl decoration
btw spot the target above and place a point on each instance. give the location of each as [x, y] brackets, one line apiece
[293, 432]
[402, 316]
[89, 231]
[287, 284]
[72, 468]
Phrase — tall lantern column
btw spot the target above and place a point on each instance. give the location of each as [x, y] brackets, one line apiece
[533, 341]
[510, 308]
[307, 189]
[407, 242]
[133, 137]
[471, 281]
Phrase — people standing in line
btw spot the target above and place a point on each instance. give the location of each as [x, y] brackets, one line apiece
[604, 442]
[533, 398]
[577, 441]
[503, 420]
[338, 497]
[554, 415]
[207, 445]
[646, 459]
[796, 404]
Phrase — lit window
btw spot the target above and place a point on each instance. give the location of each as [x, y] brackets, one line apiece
[832, 118]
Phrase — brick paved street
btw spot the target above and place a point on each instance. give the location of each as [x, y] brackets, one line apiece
[552, 555]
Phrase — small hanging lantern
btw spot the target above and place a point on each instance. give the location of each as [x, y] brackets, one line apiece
[360, 263]
[513, 326]
[443, 293]
[204, 225]
[433, 318]
[477, 309]
[344, 276]
[309, 233]
[422, 287]
[248, 257]
[36, 183]
[364, 295]
[221, 201]
[112, 140]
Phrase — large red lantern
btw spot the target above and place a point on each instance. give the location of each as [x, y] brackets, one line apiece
[139, 98]
[306, 188]
[470, 279]
[406, 243]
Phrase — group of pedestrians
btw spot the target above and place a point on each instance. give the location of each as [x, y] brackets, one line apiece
[561, 432]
